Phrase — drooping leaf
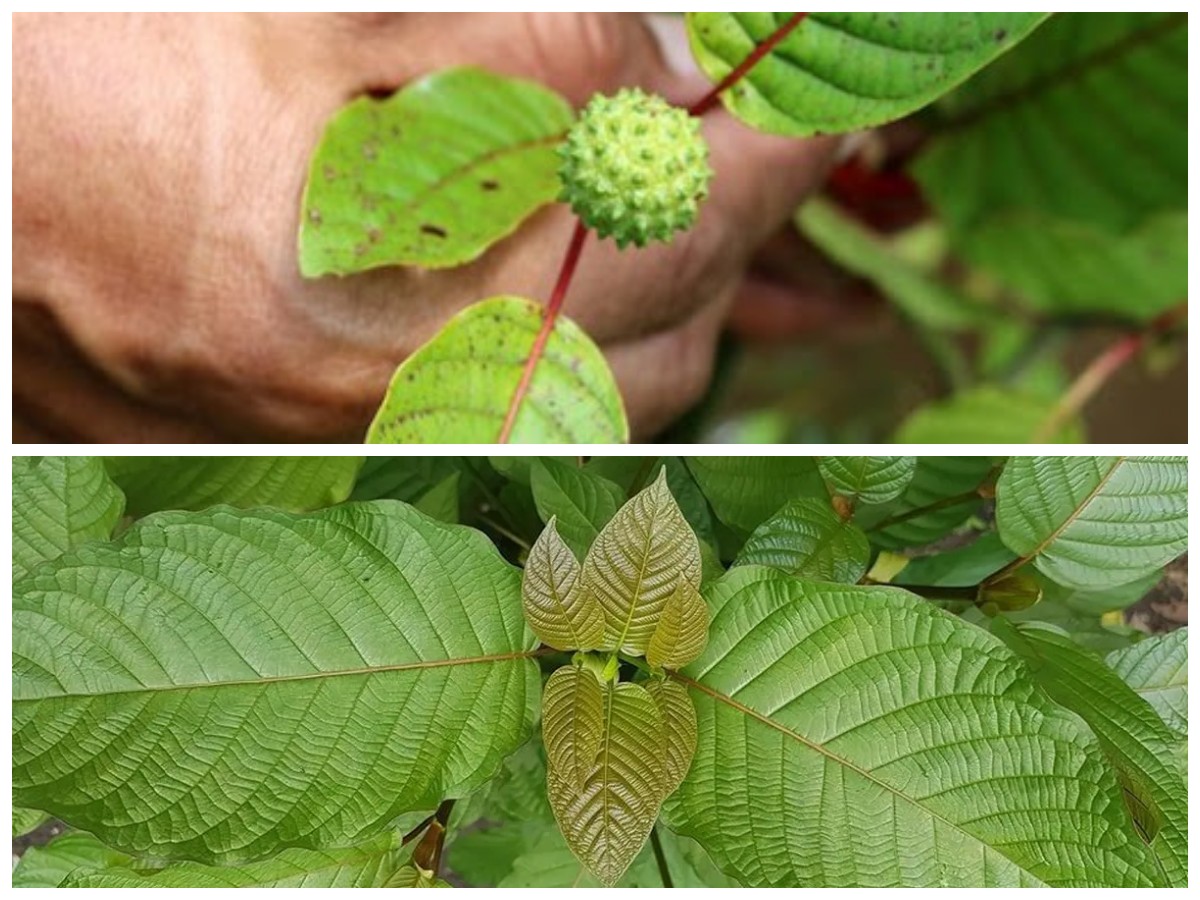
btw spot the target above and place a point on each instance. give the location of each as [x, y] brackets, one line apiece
[458, 387]
[987, 414]
[1133, 737]
[317, 676]
[431, 176]
[581, 502]
[367, 866]
[58, 503]
[1087, 121]
[895, 745]
[294, 483]
[1156, 669]
[607, 819]
[573, 707]
[75, 852]
[840, 72]
[745, 491]
[682, 629]
[809, 540]
[1089, 521]
[635, 566]
[558, 610]
[923, 514]
[869, 479]
[679, 730]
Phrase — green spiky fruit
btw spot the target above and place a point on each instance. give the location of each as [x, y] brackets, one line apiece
[635, 168]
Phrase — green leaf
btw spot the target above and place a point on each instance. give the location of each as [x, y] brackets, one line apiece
[1156, 669]
[1133, 737]
[294, 483]
[869, 479]
[1094, 521]
[961, 567]
[903, 747]
[987, 414]
[415, 877]
[927, 514]
[25, 820]
[841, 72]
[431, 176]
[636, 565]
[809, 540]
[581, 502]
[745, 491]
[218, 686]
[58, 503]
[1086, 121]
[441, 501]
[71, 853]
[607, 817]
[519, 469]
[559, 611]
[458, 387]
[549, 863]
[366, 866]
[1088, 614]
[406, 478]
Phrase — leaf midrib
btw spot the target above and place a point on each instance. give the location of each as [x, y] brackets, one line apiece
[828, 754]
[419, 665]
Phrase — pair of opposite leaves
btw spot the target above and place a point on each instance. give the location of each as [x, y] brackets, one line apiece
[616, 751]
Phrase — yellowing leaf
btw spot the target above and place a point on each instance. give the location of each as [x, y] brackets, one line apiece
[558, 613]
[606, 819]
[573, 722]
[682, 630]
[635, 565]
[679, 730]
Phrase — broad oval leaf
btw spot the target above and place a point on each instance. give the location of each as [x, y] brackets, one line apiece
[458, 387]
[869, 479]
[840, 72]
[635, 565]
[987, 414]
[607, 818]
[294, 483]
[1156, 668]
[317, 675]
[682, 629]
[59, 502]
[1094, 521]
[892, 745]
[808, 539]
[581, 501]
[557, 609]
[431, 176]
[745, 491]
[573, 723]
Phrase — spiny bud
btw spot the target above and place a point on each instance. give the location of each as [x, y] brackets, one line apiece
[635, 168]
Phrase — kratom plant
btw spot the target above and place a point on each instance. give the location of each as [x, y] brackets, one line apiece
[713, 671]
[1058, 177]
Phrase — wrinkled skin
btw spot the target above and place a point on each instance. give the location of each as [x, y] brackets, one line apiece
[158, 163]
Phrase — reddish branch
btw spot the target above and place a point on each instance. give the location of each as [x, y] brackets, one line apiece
[579, 237]
[1102, 368]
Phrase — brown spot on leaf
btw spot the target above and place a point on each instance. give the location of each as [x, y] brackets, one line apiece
[434, 231]
[1000, 35]
[314, 216]
[373, 235]
[490, 185]
[329, 172]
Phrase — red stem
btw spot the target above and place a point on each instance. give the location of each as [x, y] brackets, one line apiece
[553, 308]
[575, 248]
[713, 97]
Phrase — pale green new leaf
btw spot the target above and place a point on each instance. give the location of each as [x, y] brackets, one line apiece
[218, 686]
[869, 479]
[986, 414]
[582, 502]
[367, 866]
[937, 480]
[73, 853]
[843, 71]
[1156, 668]
[635, 566]
[59, 502]
[606, 819]
[294, 483]
[558, 610]
[858, 736]
[682, 629]
[1134, 738]
[1094, 521]
[745, 491]
[808, 539]
[431, 176]
[679, 730]
[573, 723]
[458, 387]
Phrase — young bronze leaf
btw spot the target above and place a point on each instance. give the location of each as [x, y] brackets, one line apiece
[635, 564]
[682, 629]
[679, 730]
[560, 615]
[573, 723]
[607, 819]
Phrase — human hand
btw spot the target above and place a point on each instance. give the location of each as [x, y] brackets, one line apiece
[157, 171]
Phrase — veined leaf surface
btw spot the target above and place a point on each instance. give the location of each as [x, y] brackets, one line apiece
[1156, 668]
[69, 854]
[581, 501]
[808, 539]
[869, 479]
[558, 610]
[745, 491]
